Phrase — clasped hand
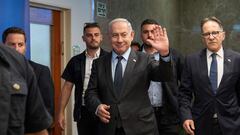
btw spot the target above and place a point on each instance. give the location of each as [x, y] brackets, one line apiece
[103, 113]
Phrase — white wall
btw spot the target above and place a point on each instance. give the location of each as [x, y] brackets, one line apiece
[80, 12]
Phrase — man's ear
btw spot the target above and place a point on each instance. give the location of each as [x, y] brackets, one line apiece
[83, 38]
[223, 35]
[101, 37]
[132, 34]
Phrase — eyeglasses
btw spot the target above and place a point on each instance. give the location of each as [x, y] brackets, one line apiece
[213, 33]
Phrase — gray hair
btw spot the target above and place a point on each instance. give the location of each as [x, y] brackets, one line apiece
[120, 20]
[212, 18]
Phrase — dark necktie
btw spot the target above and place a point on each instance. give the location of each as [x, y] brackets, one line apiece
[214, 73]
[118, 75]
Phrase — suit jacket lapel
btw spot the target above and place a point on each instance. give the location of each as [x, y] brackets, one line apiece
[108, 72]
[82, 65]
[227, 66]
[204, 69]
[132, 59]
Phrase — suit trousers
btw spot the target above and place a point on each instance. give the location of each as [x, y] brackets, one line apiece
[87, 124]
[163, 129]
[120, 131]
[216, 128]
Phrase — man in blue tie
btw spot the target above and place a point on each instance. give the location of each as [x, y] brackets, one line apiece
[209, 92]
[118, 87]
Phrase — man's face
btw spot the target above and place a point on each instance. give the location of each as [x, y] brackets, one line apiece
[212, 36]
[92, 37]
[121, 37]
[147, 32]
[16, 41]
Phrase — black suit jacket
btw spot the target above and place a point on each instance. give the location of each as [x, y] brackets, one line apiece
[133, 104]
[45, 84]
[75, 72]
[195, 82]
[21, 106]
[170, 106]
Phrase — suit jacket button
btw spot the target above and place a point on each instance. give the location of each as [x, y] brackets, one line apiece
[16, 86]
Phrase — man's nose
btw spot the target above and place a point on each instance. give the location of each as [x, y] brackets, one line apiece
[93, 37]
[119, 39]
[150, 34]
[17, 47]
[211, 36]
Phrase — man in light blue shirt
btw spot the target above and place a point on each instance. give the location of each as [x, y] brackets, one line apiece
[163, 95]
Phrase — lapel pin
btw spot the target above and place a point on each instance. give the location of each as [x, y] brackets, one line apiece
[16, 86]
[229, 60]
[134, 60]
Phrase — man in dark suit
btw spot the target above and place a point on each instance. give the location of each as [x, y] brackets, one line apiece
[22, 109]
[163, 95]
[118, 88]
[211, 78]
[15, 38]
[77, 72]
[45, 84]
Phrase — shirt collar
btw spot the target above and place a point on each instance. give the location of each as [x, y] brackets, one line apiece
[96, 55]
[125, 55]
[219, 53]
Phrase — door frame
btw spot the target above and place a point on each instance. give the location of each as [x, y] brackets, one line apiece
[60, 54]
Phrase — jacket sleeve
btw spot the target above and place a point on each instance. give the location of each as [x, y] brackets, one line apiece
[91, 96]
[37, 117]
[185, 93]
[46, 86]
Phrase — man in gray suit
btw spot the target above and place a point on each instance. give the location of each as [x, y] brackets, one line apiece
[118, 88]
[212, 77]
